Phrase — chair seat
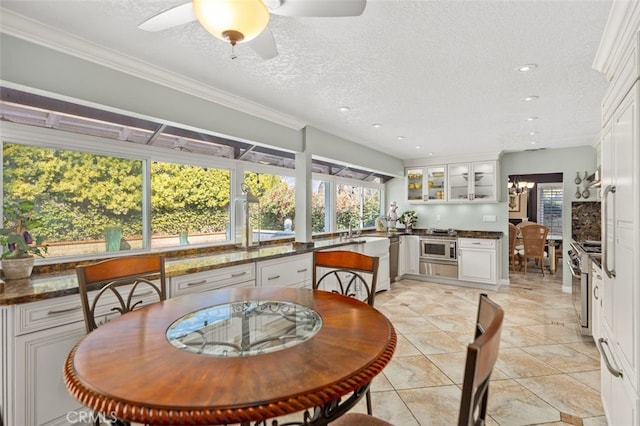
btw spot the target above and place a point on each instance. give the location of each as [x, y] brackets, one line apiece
[359, 419]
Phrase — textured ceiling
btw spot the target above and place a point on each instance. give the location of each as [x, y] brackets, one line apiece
[442, 74]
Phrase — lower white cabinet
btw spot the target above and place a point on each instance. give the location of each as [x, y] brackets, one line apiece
[378, 247]
[293, 271]
[477, 259]
[236, 276]
[409, 255]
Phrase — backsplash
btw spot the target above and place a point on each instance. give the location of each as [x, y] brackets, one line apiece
[585, 221]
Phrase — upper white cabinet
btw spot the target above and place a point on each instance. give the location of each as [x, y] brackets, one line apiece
[454, 183]
[415, 184]
[473, 181]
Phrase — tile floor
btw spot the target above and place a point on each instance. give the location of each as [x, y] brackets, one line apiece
[546, 373]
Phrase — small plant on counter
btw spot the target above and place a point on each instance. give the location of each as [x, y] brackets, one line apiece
[408, 219]
[16, 238]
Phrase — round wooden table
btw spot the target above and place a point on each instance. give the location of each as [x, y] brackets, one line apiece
[129, 369]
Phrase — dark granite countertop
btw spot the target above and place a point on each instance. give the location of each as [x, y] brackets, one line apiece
[49, 285]
[46, 286]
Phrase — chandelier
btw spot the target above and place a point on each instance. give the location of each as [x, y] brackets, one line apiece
[518, 187]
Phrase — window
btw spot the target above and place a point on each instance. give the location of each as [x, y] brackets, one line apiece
[320, 221]
[87, 203]
[356, 206]
[189, 204]
[550, 206]
[277, 203]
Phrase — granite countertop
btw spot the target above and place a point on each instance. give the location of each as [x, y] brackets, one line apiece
[57, 284]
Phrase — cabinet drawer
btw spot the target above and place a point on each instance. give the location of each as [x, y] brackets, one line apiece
[210, 280]
[48, 313]
[286, 272]
[477, 243]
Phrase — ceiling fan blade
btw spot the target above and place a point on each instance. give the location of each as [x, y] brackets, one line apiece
[169, 18]
[320, 8]
[264, 45]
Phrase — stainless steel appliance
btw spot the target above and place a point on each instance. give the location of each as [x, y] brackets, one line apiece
[394, 248]
[438, 257]
[580, 258]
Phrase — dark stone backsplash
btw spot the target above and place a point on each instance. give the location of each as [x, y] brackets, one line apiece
[585, 221]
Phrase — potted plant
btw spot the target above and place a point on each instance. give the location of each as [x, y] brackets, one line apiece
[18, 245]
[408, 219]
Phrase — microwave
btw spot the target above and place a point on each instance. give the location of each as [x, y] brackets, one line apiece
[438, 248]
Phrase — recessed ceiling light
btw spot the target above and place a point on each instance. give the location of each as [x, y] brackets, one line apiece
[431, 153]
[532, 118]
[376, 126]
[530, 98]
[400, 138]
[344, 109]
[418, 147]
[533, 142]
[533, 133]
[527, 67]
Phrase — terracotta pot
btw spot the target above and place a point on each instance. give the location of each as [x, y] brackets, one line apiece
[15, 269]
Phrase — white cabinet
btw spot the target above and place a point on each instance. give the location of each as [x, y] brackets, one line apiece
[294, 271]
[619, 343]
[378, 247]
[231, 276]
[474, 182]
[43, 333]
[415, 184]
[477, 260]
[409, 255]
[435, 184]
[596, 300]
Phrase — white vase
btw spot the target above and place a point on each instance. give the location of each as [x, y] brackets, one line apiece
[16, 269]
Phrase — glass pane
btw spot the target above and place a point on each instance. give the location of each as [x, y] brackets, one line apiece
[370, 207]
[319, 207]
[348, 199]
[277, 204]
[189, 204]
[87, 203]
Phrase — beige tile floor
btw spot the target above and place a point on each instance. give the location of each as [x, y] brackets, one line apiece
[546, 373]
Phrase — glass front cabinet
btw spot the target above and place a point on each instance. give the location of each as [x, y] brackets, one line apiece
[473, 181]
[415, 184]
[436, 184]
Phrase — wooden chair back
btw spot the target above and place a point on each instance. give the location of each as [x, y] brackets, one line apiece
[128, 278]
[513, 233]
[534, 239]
[345, 273]
[481, 359]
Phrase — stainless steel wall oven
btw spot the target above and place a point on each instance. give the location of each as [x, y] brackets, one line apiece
[439, 257]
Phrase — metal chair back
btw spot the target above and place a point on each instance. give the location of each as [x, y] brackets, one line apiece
[130, 279]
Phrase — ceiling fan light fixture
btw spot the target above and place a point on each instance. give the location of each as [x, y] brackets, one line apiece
[235, 21]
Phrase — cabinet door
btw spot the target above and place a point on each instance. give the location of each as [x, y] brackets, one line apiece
[436, 184]
[477, 260]
[596, 301]
[484, 181]
[295, 271]
[458, 181]
[41, 396]
[409, 261]
[415, 184]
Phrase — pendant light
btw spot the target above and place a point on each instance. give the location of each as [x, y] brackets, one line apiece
[235, 21]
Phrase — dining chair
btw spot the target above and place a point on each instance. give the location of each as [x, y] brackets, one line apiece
[534, 239]
[122, 277]
[513, 233]
[126, 278]
[341, 271]
[482, 355]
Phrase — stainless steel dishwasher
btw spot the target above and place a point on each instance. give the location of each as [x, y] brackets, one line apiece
[394, 249]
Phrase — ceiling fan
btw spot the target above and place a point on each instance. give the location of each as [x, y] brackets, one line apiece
[245, 21]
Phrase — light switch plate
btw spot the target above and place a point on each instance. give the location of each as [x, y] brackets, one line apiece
[489, 218]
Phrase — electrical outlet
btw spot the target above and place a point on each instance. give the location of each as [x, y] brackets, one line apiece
[489, 218]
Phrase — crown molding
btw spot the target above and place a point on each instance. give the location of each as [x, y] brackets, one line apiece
[35, 32]
[622, 25]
